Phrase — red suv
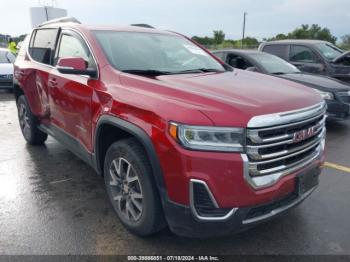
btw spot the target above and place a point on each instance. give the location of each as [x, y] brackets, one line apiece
[180, 138]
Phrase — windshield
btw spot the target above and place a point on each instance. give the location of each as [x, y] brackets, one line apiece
[328, 51]
[6, 57]
[273, 64]
[153, 52]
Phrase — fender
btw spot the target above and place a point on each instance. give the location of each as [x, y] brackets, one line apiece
[142, 137]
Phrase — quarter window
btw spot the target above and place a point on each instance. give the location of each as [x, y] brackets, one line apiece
[302, 54]
[42, 45]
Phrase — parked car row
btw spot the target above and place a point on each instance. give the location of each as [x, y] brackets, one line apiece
[335, 92]
[312, 56]
[181, 139]
[6, 69]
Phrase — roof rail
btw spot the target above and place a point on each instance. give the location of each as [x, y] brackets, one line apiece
[143, 25]
[67, 19]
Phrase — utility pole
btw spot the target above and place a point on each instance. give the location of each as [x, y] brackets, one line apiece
[244, 17]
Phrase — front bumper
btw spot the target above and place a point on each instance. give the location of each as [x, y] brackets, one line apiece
[6, 83]
[184, 222]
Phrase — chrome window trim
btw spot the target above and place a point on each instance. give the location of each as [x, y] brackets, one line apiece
[286, 117]
[194, 211]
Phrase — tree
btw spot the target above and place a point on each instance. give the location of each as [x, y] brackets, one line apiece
[250, 42]
[219, 37]
[206, 41]
[345, 42]
[307, 32]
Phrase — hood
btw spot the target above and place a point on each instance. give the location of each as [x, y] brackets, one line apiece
[229, 98]
[322, 83]
[335, 60]
[6, 69]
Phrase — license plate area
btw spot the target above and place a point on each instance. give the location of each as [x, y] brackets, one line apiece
[308, 180]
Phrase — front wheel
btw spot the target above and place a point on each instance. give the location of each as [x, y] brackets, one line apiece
[131, 188]
[29, 123]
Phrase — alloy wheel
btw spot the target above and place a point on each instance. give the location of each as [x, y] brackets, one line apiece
[24, 119]
[126, 189]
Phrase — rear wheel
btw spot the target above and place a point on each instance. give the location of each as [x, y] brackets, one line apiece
[131, 189]
[29, 123]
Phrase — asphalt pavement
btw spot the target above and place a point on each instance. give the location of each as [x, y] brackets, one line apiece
[53, 203]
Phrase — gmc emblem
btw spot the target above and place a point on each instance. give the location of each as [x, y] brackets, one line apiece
[304, 134]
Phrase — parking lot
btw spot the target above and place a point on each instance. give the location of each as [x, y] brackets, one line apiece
[53, 203]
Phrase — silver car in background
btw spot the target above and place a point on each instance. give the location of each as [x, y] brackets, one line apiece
[6, 69]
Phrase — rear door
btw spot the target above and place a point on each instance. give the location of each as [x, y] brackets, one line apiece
[71, 95]
[33, 68]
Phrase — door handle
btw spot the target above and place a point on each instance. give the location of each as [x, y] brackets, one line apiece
[53, 82]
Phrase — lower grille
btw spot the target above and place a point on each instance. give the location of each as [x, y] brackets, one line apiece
[263, 210]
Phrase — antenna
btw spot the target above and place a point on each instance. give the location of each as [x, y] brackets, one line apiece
[49, 3]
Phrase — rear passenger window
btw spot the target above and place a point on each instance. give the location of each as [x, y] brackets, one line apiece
[278, 50]
[303, 54]
[42, 45]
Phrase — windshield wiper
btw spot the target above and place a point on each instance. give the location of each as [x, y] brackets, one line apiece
[147, 72]
[198, 70]
[278, 73]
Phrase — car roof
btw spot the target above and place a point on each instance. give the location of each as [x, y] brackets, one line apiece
[119, 28]
[295, 41]
[241, 51]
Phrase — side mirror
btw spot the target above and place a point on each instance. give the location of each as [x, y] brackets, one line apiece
[251, 69]
[75, 66]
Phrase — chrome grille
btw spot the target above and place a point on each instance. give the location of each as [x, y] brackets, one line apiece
[288, 146]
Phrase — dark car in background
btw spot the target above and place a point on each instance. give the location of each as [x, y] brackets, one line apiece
[335, 92]
[312, 56]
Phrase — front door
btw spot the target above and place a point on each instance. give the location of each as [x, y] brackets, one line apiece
[71, 95]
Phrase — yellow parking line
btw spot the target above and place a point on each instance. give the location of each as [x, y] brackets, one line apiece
[338, 167]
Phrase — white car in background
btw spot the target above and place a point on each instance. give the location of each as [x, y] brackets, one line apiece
[6, 69]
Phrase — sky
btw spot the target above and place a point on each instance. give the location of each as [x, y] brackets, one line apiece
[265, 18]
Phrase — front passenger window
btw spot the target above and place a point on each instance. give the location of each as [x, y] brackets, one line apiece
[71, 46]
[302, 54]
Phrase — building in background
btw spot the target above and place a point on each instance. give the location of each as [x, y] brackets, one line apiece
[42, 14]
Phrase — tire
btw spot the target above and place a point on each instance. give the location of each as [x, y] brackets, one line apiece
[134, 195]
[29, 123]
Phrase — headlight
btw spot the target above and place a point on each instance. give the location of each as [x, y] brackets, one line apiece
[224, 139]
[325, 95]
